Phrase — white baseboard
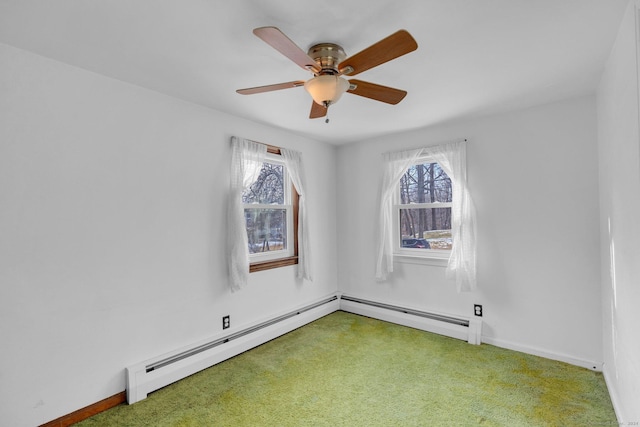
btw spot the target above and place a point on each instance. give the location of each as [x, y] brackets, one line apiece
[153, 374]
[613, 395]
[509, 345]
[416, 319]
[145, 377]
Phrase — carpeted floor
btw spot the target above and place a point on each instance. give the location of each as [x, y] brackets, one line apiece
[349, 370]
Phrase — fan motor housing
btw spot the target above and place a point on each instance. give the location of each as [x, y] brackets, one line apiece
[327, 56]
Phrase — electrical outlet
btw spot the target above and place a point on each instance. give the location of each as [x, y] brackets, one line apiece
[477, 310]
[226, 322]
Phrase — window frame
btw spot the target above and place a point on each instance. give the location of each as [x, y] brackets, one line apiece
[258, 263]
[437, 257]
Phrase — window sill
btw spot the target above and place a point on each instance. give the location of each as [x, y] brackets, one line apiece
[276, 263]
[434, 260]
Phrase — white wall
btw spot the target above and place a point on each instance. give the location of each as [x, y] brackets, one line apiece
[112, 226]
[112, 230]
[534, 178]
[619, 155]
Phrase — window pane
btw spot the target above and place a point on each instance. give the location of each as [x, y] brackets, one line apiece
[268, 188]
[426, 228]
[425, 183]
[266, 229]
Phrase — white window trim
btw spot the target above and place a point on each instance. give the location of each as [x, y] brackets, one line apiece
[435, 260]
[288, 206]
[435, 257]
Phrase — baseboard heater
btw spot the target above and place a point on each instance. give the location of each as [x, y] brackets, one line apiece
[146, 377]
[467, 329]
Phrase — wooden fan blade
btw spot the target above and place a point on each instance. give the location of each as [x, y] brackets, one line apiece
[392, 47]
[377, 92]
[317, 110]
[269, 88]
[283, 44]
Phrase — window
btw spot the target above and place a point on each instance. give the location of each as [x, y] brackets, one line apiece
[444, 204]
[267, 216]
[422, 211]
[270, 206]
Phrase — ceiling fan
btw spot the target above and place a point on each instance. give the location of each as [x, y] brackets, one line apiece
[329, 63]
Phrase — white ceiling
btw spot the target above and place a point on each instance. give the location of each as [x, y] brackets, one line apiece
[474, 57]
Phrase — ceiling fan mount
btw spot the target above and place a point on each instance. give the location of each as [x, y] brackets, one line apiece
[327, 56]
[329, 63]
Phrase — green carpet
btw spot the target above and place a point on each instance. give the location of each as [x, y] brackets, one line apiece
[349, 370]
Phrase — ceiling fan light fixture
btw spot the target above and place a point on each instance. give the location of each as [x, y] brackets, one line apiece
[328, 62]
[326, 89]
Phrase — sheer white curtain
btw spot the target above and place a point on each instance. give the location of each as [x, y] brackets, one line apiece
[246, 161]
[395, 165]
[293, 162]
[452, 159]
